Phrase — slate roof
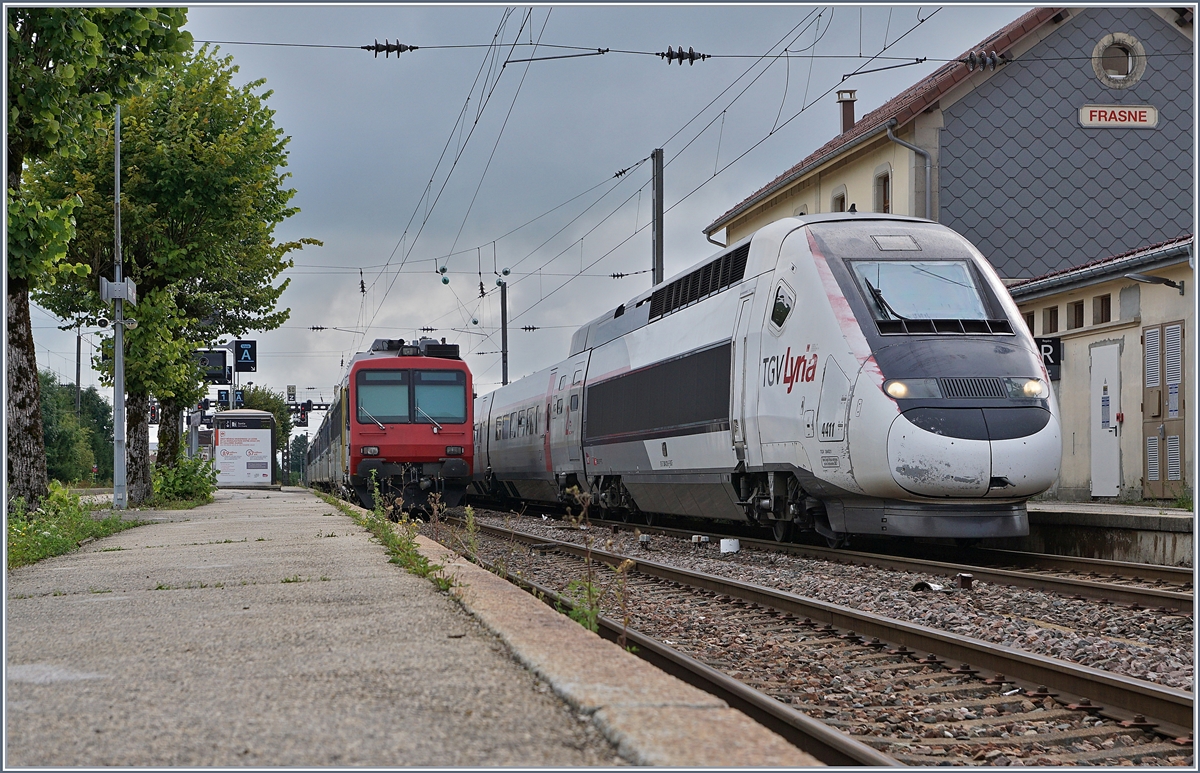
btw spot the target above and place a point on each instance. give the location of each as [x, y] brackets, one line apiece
[1162, 249]
[904, 107]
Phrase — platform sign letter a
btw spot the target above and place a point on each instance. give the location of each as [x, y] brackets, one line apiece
[246, 357]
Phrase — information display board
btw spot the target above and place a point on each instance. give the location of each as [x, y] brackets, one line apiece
[243, 448]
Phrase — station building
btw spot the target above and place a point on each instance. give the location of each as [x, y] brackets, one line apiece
[1063, 147]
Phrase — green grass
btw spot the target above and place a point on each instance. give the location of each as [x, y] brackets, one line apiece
[177, 504]
[55, 528]
[399, 540]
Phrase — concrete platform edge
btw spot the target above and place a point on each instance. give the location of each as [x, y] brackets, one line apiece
[650, 716]
[1183, 524]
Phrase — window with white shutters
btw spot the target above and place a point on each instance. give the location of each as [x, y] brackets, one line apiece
[1174, 468]
[1173, 351]
[1152, 458]
[1153, 364]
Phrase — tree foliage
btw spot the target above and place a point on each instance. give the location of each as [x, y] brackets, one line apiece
[264, 399]
[96, 414]
[299, 451]
[64, 66]
[202, 191]
[69, 455]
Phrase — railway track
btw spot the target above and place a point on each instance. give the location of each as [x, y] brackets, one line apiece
[1145, 585]
[891, 688]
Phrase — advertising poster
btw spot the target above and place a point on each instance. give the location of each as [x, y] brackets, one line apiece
[243, 455]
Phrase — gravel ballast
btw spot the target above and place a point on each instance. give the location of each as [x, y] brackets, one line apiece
[1145, 644]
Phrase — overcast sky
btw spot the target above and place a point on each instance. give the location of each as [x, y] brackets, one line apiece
[403, 166]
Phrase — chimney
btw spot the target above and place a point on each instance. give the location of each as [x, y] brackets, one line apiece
[846, 98]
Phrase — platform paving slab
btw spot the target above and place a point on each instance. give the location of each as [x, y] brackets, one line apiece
[179, 643]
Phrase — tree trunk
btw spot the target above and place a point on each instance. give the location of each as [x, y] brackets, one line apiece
[170, 415]
[137, 433]
[23, 408]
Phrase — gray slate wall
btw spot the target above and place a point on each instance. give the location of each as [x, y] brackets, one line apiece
[1038, 193]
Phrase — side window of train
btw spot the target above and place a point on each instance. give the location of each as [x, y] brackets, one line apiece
[520, 423]
[785, 299]
[575, 402]
[559, 406]
[577, 379]
[497, 429]
[562, 382]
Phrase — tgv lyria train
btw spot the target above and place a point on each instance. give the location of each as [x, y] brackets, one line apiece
[846, 373]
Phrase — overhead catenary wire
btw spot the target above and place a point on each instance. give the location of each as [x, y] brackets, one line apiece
[718, 168]
[726, 166]
[629, 52]
[499, 136]
[453, 166]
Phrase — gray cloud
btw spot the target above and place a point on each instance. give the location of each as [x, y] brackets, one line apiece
[366, 133]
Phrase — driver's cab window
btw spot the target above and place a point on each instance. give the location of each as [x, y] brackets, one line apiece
[781, 308]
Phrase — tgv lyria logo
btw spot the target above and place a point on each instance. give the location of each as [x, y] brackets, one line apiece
[786, 369]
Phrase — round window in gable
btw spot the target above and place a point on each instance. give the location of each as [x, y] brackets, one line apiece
[1119, 60]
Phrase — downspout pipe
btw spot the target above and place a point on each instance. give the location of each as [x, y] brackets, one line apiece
[928, 167]
[714, 241]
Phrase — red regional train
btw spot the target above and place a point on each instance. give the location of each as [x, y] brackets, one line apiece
[403, 413]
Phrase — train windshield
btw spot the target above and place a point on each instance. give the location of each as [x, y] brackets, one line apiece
[920, 289]
[441, 396]
[383, 397]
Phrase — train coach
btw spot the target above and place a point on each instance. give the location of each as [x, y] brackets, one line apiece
[402, 415]
[845, 374]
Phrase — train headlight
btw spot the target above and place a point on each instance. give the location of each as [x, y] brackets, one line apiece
[454, 450]
[370, 450]
[907, 388]
[1028, 388]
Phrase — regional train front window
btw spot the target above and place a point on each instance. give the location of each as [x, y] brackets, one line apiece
[920, 289]
[383, 397]
[441, 396]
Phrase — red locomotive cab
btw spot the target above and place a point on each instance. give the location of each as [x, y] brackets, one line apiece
[410, 416]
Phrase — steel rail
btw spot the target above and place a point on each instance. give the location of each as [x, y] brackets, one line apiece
[1174, 574]
[1123, 696]
[802, 731]
[1089, 588]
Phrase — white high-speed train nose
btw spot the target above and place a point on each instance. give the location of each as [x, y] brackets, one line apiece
[928, 463]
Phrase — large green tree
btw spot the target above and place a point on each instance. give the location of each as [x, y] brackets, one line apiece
[298, 456]
[65, 66]
[96, 414]
[202, 191]
[69, 456]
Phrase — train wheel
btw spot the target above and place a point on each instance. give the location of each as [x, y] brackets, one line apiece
[782, 530]
[652, 519]
[838, 540]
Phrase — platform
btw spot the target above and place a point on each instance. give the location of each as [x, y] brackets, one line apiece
[1109, 530]
[268, 629]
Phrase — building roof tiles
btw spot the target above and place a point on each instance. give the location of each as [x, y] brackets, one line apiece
[904, 107]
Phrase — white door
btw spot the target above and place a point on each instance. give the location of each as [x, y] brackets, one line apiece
[1105, 430]
[742, 372]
